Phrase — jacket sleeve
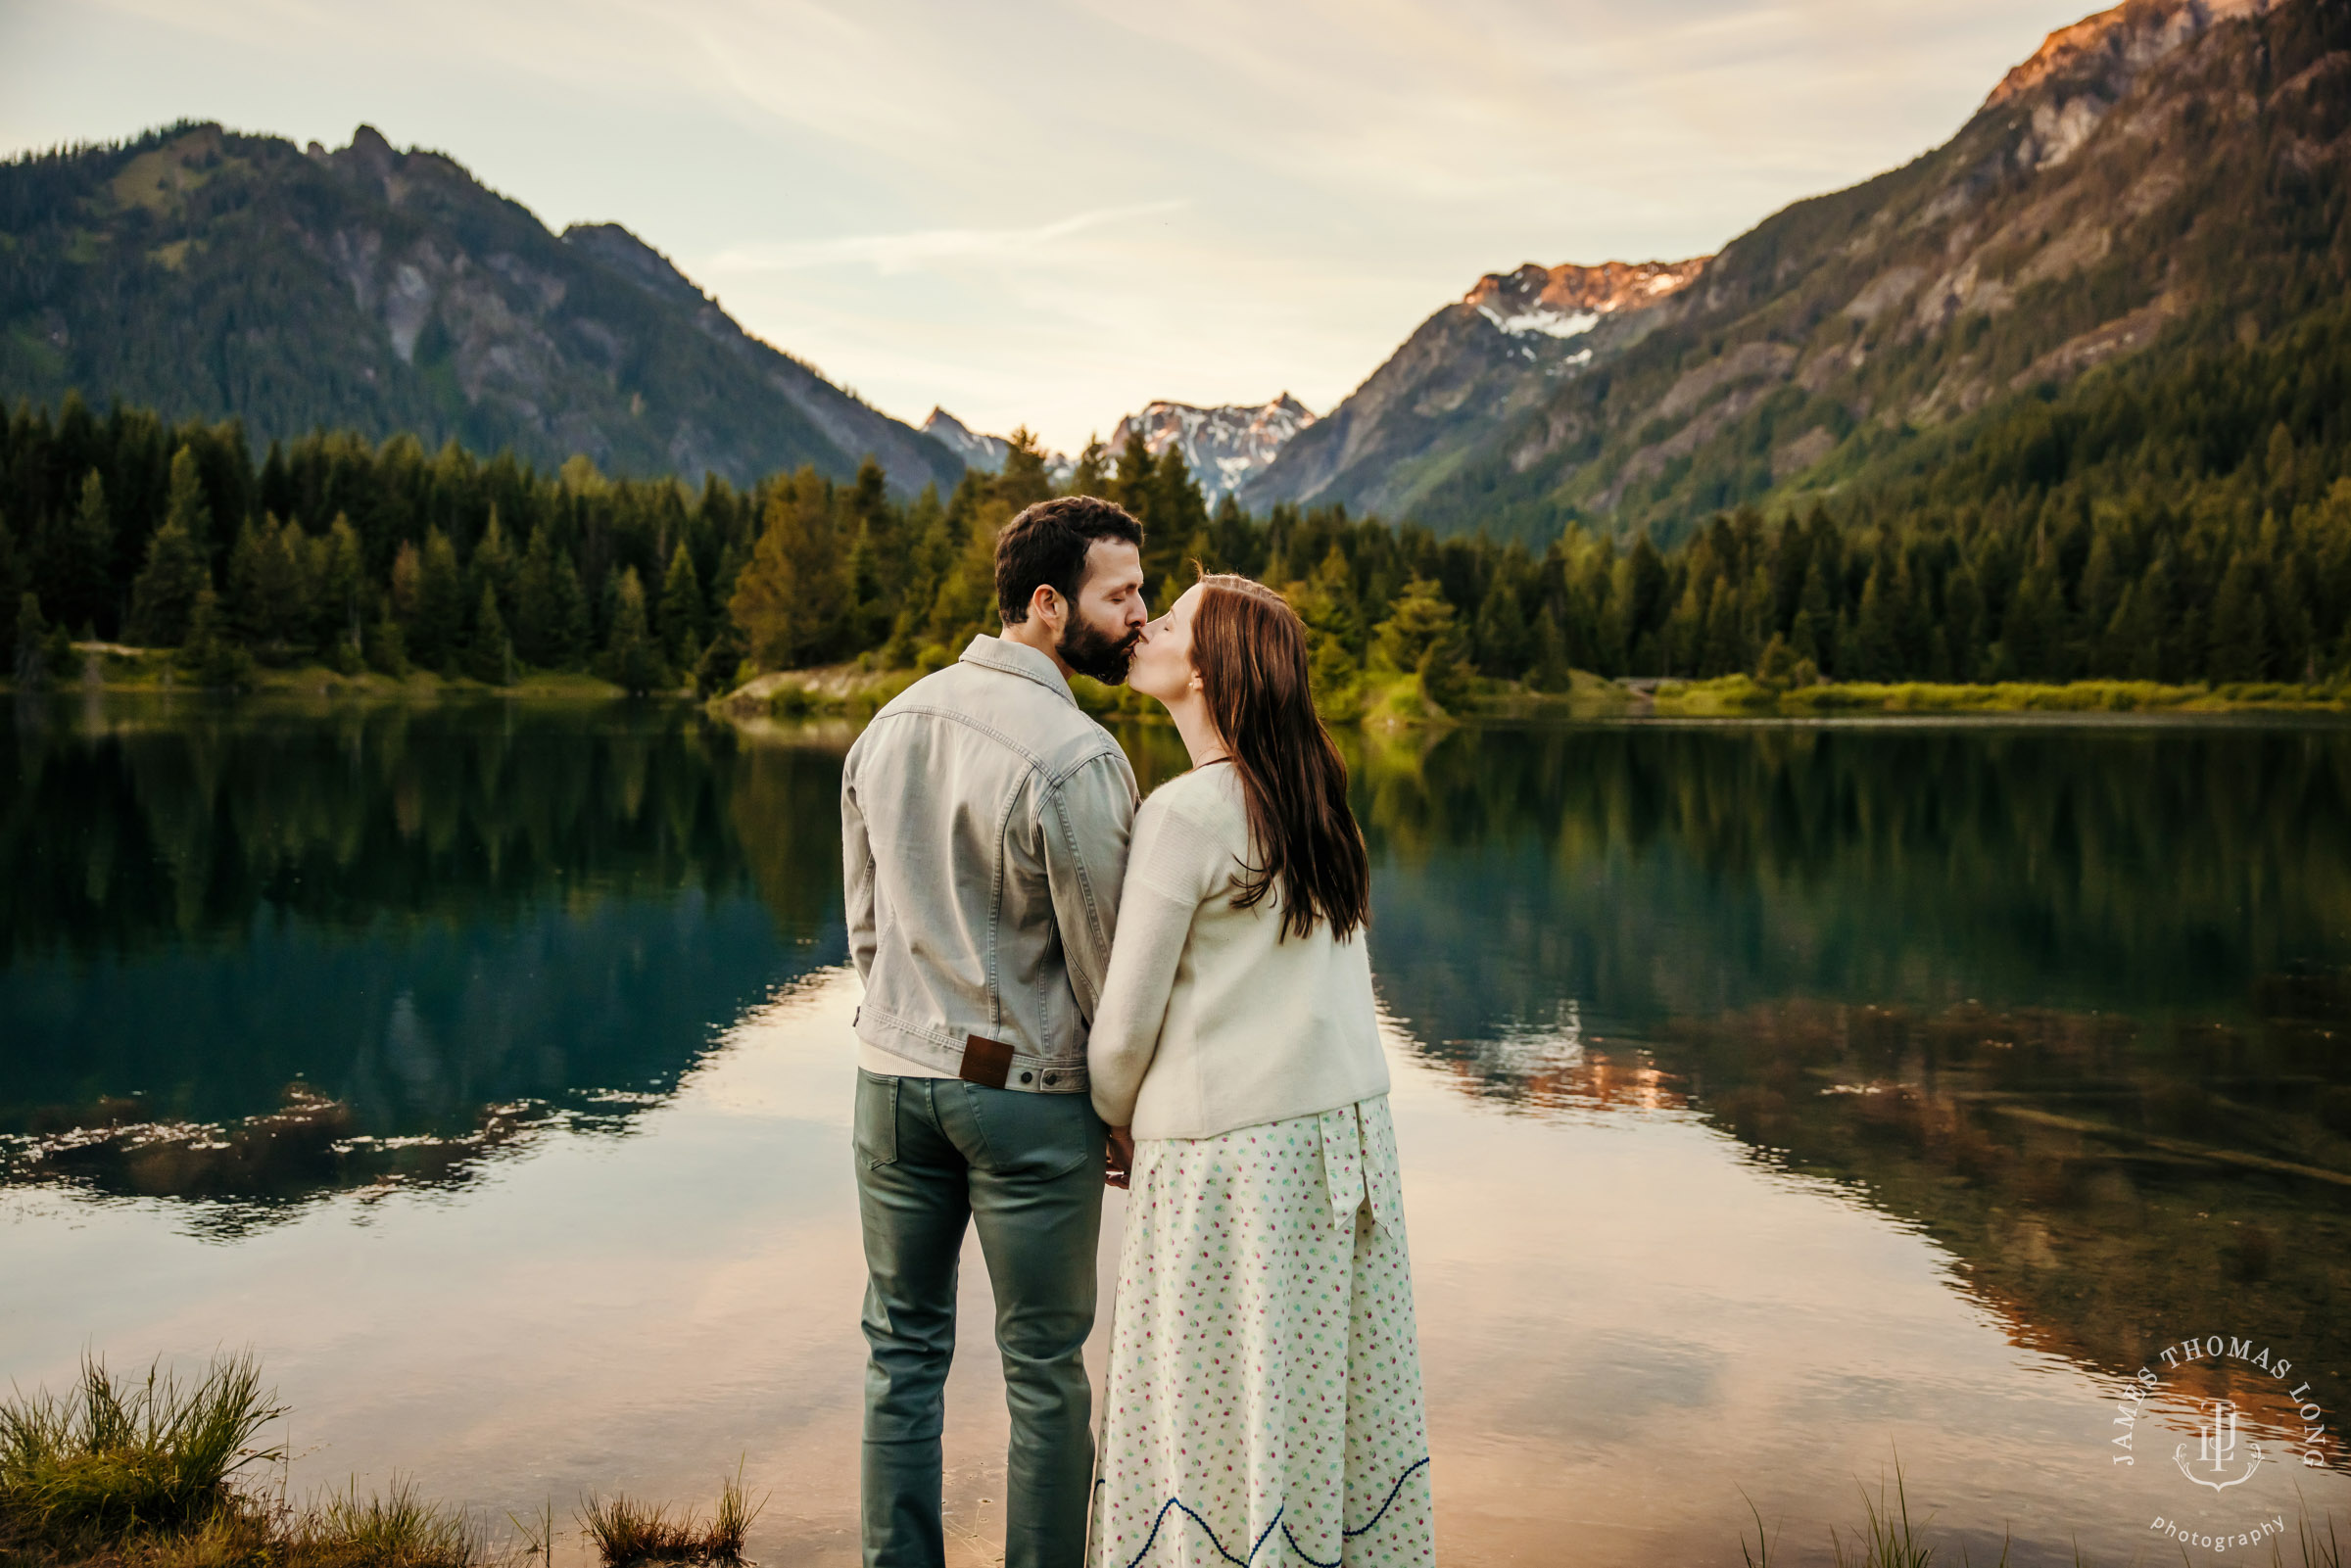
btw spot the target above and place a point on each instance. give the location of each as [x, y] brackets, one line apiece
[1087, 820]
[1167, 876]
[856, 874]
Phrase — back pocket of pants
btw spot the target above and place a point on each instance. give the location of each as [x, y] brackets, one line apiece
[1036, 1135]
[874, 1125]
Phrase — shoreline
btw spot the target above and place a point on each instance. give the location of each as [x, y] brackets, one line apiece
[1398, 705]
[115, 669]
[1392, 706]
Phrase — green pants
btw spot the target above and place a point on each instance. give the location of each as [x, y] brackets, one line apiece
[1026, 1168]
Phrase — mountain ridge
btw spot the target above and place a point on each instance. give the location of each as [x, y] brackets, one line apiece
[1497, 348]
[2165, 172]
[214, 274]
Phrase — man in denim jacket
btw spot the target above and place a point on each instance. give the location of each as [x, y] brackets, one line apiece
[983, 823]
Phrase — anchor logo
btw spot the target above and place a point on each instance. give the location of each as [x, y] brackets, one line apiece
[2215, 1449]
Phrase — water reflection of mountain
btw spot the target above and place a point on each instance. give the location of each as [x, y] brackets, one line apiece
[441, 922]
[2103, 1185]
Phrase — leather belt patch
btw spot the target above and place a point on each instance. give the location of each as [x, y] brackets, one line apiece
[986, 1062]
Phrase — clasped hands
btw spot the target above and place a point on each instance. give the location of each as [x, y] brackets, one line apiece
[1117, 1157]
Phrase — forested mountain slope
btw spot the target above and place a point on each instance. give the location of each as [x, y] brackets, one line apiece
[2161, 180]
[206, 275]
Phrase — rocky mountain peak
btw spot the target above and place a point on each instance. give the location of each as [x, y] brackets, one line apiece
[1568, 299]
[1224, 447]
[984, 453]
[2111, 48]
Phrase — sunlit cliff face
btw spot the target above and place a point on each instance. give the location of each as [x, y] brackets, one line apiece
[1568, 299]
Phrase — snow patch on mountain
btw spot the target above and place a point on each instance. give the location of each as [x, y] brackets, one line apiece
[1550, 323]
[1223, 446]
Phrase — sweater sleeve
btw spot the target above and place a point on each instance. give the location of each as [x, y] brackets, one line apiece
[1172, 865]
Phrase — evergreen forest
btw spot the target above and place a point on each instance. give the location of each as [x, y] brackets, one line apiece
[2184, 524]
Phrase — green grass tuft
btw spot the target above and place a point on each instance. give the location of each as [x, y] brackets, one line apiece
[399, 1531]
[116, 1456]
[628, 1532]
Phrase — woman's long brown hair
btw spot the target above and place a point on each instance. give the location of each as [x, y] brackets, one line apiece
[1250, 649]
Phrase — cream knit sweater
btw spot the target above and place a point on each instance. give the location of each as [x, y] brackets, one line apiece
[1208, 1021]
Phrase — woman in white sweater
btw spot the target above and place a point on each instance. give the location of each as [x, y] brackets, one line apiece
[1264, 1378]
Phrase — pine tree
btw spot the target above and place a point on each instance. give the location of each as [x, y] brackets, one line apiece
[341, 594]
[2239, 648]
[386, 644]
[1174, 517]
[164, 595]
[1725, 645]
[792, 600]
[878, 564]
[269, 605]
[494, 566]
[1551, 672]
[407, 571]
[1022, 481]
[187, 506]
[211, 655]
[2033, 634]
[1131, 482]
[1684, 630]
[1813, 636]
[714, 675]
[490, 656]
[535, 611]
[1420, 635]
[1502, 635]
[437, 634]
[568, 637]
[681, 610]
[631, 660]
[85, 576]
[2133, 647]
[1327, 604]
[1092, 476]
[1964, 622]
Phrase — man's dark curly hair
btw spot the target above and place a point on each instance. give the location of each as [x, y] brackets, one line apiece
[1046, 545]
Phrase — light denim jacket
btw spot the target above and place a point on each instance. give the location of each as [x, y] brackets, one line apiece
[983, 828]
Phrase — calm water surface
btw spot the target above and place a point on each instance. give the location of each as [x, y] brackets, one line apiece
[1775, 1101]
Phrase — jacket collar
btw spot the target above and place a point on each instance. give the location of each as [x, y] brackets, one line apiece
[1017, 658]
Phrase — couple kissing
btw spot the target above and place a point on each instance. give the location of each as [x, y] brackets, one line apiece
[1067, 985]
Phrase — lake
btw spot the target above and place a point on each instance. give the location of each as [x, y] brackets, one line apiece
[1777, 1103]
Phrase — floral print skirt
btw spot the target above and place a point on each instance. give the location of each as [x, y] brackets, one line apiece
[1264, 1379]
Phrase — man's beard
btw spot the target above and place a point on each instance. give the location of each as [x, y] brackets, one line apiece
[1097, 654]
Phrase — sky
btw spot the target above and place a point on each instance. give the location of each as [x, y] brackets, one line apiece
[1052, 211]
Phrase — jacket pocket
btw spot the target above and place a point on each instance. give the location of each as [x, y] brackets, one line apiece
[1039, 1136]
[874, 1129]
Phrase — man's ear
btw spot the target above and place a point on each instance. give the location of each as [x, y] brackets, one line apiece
[1047, 604]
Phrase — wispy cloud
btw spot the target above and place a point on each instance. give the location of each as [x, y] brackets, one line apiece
[924, 248]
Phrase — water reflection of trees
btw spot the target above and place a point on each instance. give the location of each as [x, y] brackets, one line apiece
[2071, 1001]
[1650, 871]
[162, 826]
[446, 923]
